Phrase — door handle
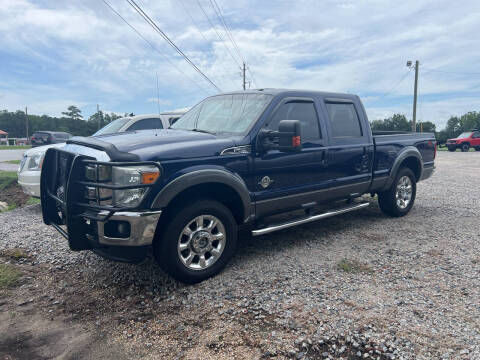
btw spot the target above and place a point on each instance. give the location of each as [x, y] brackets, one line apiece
[323, 161]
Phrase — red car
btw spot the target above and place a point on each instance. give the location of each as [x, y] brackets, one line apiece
[465, 141]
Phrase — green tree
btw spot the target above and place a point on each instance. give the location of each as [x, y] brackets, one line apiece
[73, 113]
[397, 122]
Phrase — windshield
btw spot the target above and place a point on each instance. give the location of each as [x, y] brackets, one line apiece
[113, 127]
[224, 113]
[464, 135]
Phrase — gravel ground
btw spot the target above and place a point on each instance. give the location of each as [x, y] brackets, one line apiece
[360, 285]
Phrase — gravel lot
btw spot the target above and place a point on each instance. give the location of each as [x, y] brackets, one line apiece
[360, 284]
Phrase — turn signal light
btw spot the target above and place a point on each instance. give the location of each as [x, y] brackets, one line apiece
[149, 177]
[296, 141]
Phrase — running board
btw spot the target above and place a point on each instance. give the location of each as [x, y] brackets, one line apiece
[308, 219]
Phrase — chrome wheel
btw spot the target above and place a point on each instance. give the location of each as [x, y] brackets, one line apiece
[403, 195]
[201, 242]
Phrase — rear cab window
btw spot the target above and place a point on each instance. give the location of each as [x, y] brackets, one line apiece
[343, 120]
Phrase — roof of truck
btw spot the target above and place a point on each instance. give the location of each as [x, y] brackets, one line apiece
[293, 92]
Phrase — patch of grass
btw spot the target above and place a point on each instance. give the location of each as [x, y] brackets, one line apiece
[7, 178]
[446, 149]
[353, 266]
[32, 201]
[15, 147]
[15, 253]
[13, 162]
[9, 275]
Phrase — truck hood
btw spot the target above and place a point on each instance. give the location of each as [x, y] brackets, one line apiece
[166, 144]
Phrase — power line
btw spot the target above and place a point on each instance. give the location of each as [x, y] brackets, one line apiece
[394, 86]
[215, 29]
[200, 31]
[153, 47]
[152, 23]
[451, 72]
[218, 11]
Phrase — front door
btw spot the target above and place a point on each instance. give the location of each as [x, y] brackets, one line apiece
[284, 179]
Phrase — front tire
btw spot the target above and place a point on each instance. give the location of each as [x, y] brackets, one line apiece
[477, 148]
[400, 197]
[465, 147]
[451, 148]
[197, 242]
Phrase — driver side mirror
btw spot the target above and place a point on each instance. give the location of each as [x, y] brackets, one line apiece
[287, 138]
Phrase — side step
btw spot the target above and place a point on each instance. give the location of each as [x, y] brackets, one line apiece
[308, 219]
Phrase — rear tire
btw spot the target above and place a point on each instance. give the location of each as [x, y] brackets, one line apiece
[197, 242]
[465, 147]
[452, 149]
[399, 198]
[477, 149]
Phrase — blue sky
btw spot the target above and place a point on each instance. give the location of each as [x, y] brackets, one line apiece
[54, 54]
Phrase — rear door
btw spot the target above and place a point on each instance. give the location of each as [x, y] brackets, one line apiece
[285, 180]
[476, 139]
[350, 155]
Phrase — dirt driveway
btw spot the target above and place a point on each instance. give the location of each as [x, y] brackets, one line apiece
[360, 285]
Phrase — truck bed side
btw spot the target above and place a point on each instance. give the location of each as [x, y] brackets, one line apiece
[391, 150]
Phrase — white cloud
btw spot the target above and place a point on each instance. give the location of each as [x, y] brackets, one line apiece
[58, 53]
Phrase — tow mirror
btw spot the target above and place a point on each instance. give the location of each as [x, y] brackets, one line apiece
[287, 138]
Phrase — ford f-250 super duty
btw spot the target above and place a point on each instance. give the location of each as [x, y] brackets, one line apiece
[231, 164]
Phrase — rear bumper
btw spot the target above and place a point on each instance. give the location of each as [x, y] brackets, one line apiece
[427, 172]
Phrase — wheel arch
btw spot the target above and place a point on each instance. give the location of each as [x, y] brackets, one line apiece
[221, 185]
[411, 158]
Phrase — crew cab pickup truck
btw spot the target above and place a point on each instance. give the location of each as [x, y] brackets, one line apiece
[234, 164]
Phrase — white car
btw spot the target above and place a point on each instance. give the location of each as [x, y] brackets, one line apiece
[31, 164]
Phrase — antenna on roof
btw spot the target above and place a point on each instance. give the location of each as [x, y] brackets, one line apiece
[158, 95]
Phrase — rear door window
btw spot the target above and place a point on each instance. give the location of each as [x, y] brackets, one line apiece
[146, 124]
[343, 119]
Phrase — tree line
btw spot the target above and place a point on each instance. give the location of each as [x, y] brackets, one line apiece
[72, 122]
[455, 125]
[15, 123]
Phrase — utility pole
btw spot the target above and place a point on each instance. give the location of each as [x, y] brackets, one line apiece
[26, 120]
[414, 122]
[98, 117]
[244, 82]
[414, 125]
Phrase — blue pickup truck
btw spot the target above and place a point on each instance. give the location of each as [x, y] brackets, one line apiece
[236, 163]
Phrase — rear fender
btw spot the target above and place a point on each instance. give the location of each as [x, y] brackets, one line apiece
[405, 153]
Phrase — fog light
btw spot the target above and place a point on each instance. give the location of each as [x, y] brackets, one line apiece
[117, 229]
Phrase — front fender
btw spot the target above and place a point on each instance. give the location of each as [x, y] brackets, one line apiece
[196, 177]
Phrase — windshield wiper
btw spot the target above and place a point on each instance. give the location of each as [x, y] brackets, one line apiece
[204, 131]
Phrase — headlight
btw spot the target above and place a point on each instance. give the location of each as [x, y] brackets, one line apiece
[127, 175]
[35, 162]
[121, 176]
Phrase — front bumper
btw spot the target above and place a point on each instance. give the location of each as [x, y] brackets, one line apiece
[30, 182]
[85, 221]
[142, 225]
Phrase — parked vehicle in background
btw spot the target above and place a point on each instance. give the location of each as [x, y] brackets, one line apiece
[141, 122]
[233, 163]
[31, 165]
[465, 141]
[40, 138]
